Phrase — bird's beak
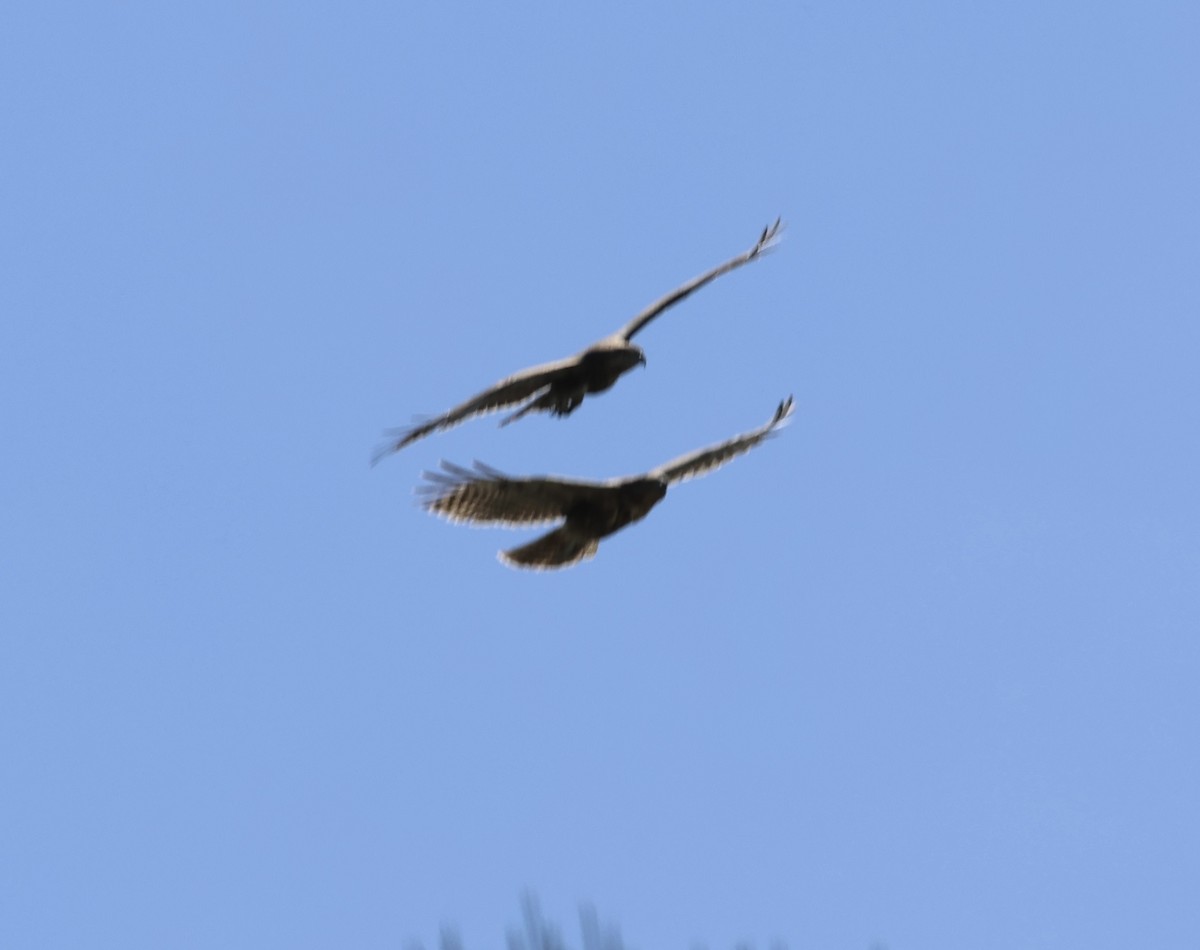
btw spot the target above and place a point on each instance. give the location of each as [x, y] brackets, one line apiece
[642, 360]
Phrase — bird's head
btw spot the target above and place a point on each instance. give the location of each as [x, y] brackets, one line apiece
[643, 494]
[624, 356]
[613, 357]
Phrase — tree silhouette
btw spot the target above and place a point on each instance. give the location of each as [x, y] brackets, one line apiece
[535, 932]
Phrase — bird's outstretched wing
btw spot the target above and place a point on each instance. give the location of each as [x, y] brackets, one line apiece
[767, 239]
[508, 392]
[703, 461]
[483, 495]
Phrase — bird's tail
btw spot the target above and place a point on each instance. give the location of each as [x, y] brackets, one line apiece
[528, 407]
[544, 400]
[560, 548]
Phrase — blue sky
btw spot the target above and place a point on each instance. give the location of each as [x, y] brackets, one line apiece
[920, 673]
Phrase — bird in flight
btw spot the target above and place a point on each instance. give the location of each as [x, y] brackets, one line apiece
[559, 387]
[588, 511]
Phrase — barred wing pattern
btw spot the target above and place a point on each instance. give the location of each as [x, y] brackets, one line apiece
[769, 237]
[589, 511]
[483, 495]
[703, 461]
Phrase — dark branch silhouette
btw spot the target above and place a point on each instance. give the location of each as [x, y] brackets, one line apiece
[536, 932]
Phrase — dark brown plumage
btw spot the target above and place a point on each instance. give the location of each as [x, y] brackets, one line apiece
[559, 387]
[589, 510]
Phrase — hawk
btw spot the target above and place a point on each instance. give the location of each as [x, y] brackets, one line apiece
[588, 511]
[559, 387]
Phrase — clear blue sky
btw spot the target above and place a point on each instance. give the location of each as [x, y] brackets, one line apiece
[921, 673]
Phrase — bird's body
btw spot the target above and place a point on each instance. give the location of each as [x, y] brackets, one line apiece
[561, 386]
[593, 371]
[587, 521]
[588, 511]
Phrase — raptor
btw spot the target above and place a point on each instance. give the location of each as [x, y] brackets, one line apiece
[588, 511]
[561, 386]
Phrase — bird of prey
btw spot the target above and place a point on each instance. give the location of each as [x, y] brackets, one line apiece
[588, 511]
[559, 387]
